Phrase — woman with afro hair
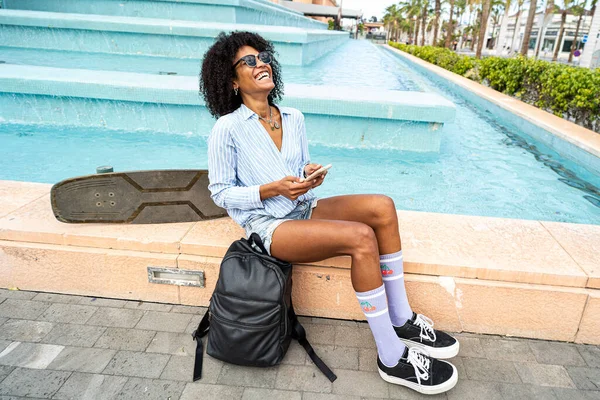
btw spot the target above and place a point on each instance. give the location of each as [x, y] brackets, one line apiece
[257, 160]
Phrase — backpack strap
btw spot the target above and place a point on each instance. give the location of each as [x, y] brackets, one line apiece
[299, 334]
[198, 334]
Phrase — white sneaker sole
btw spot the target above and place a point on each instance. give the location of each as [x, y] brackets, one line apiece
[429, 390]
[435, 352]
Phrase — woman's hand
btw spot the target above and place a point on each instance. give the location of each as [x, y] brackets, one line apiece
[292, 188]
[309, 169]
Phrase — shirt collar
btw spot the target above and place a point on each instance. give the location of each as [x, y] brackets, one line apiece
[247, 113]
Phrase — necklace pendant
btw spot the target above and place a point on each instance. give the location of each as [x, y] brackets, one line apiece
[272, 128]
[277, 125]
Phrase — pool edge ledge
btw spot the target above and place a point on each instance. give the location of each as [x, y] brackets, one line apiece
[579, 136]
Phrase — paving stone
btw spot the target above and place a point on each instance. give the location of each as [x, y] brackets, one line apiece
[474, 390]
[544, 375]
[470, 347]
[367, 360]
[458, 362]
[4, 344]
[526, 392]
[137, 388]
[591, 354]
[248, 376]
[101, 302]
[479, 369]
[336, 356]
[5, 370]
[29, 355]
[25, 331]
[347, 336]
[296, 355]
[196, 390]
[82, 359]
[144, 306]
[178, 344]
[585, 378]
[17, 294]
[194, 322]
[556, 353]
[182, 369]
[574, 394]
[3, 319]
[320, 334]
[270, 394]
[81, 386]
[337, 322]
[327, 396]
[125, 339]
[301, 378]
[33, 382]
[22, 309]
[141, 365]
[74, 335]
[508, 350]
[360, 383]
[116, 317]
[68, 313]
[58, 298]
[167, 322]
[404, 393]
[189, 309]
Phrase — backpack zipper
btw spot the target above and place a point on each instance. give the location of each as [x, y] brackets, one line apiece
[250, 326]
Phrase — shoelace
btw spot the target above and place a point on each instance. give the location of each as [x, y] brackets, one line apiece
[426, 325]
[420, 362]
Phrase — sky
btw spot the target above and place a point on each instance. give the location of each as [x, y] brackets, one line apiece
[369, 7]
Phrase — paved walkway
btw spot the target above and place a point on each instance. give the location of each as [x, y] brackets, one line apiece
[73, 347]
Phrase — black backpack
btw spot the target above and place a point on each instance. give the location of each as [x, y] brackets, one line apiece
[250, 320]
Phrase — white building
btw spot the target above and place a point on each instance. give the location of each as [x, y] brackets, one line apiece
[508, 42]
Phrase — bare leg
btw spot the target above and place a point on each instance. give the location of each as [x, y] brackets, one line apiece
[376, 211]
[303, 241]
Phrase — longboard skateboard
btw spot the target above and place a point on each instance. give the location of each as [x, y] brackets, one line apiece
[140, 197]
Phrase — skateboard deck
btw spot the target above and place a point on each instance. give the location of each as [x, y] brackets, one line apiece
[139, 197]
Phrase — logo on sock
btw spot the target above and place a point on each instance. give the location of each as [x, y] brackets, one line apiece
[385, 270]
[367, 307]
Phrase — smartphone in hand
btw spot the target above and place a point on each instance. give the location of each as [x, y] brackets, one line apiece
[316, 174]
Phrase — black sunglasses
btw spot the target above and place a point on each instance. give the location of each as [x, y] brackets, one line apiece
[250, 59]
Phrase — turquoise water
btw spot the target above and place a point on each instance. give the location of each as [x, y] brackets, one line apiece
[344, 66]
[485, 166]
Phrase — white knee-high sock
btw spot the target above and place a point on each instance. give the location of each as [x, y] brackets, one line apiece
[392, 272]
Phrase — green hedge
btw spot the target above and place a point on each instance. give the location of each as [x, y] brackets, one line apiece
[569, 92]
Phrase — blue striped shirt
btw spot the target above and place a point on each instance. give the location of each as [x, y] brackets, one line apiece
[242, 156]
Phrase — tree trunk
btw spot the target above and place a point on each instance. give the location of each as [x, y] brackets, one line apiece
[576, 34]
[517, 23]
[450, 25]
[528, 27]
[485, 14]
[436, 21]
[423, 25]
[503, 26]
[475, 33]
[545, 21]
[416, 43]
[561, 32]
[493, 33]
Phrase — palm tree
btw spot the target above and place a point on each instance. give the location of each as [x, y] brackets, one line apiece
[495, 16]
[424, 14]
[551, 8]
[450, 32]
[563, 19]
[410, 9]
[528, 27]
[577, 10]
[504, 25]
[485, 13]
[392, 18]
[517, 22]
[436, 20]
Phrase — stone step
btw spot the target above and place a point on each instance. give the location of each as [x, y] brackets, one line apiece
[259, 12]
[410, 121]
[152, 37]
[477, 274]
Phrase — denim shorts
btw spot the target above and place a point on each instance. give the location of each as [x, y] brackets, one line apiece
[265, 225]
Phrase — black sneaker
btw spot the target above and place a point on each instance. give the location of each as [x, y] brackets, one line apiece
[417, 371]
[418, 332]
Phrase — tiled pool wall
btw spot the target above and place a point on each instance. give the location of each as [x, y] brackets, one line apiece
[138, 36]
[566, 149]
[228, 11]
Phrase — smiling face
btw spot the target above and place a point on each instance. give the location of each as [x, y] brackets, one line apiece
[252, 81]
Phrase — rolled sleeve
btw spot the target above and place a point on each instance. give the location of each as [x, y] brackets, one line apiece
[222, 173]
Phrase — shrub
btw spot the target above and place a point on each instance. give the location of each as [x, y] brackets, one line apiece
[569, 92]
